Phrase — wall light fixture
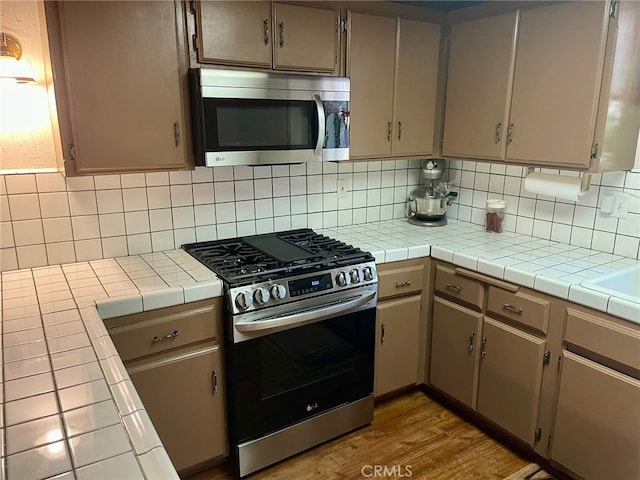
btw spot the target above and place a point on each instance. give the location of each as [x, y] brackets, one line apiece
[11, 68]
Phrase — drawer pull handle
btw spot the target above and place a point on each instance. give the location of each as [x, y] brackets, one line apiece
[483, 351]
[457, 288]
[403, 284]
[472, 335]
[382, 333]
[512, 308]
[166, 337]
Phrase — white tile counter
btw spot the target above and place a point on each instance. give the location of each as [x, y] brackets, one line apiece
[69, 405]
[543, 265]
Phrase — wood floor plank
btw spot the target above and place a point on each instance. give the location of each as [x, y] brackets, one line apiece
[409, 434]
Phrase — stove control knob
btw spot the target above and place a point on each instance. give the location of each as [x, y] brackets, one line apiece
[355, 275]
[244, 300]
[341, 279]
[368, 273]
[261, 295]
[278, 291]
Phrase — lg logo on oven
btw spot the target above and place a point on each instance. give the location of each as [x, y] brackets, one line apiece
[394, 471]
[311, 407]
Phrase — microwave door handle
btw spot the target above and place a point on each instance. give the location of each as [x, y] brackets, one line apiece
[321, 125]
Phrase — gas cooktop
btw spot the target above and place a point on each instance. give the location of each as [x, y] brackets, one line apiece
[245, 260]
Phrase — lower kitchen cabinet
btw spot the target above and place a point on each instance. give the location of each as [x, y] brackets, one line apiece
[397, 335]
[455, 336]
[511, 366]
[597, 429]
[182, 394]
[174, 358]
[597, 423]
[398, 324]
[491, 344]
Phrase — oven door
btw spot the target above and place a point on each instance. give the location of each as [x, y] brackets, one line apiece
[295, 372]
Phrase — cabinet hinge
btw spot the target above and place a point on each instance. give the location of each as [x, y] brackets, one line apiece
[594, 151]
[612, 9]
[538, 434]
[194, 42]
[192, 7]
[72, 152]
[546, 358]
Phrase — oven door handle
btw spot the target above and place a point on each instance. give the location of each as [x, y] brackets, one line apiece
[296, 319]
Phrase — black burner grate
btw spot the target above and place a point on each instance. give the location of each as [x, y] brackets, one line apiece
[271, 256]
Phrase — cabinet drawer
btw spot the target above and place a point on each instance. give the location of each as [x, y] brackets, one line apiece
[462, 289]
[604, 337]
[520, 307]
[152, 332]
[400, 281]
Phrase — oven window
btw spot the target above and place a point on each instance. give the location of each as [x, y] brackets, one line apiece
[288, 376]
[252, 124]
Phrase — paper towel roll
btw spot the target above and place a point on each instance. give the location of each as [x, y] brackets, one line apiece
[567, 188]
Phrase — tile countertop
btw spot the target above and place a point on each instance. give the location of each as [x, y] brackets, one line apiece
[69, 407]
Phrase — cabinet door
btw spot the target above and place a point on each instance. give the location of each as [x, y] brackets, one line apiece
[597, 426]
[455, 339]
[556, 83]
[191, 426]
[372, 46]
[305, 38]
[398, 324]
[511, 378]
[481, 56]
[417, 70]
[234, 32]
[124, 86]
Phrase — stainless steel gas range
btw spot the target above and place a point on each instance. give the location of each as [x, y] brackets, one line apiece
[299, 340]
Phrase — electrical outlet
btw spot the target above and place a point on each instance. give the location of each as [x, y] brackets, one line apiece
[342, 188]
[620, 205]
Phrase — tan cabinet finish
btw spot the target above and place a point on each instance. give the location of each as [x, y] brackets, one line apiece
[235, 33]
[266, 34]
[397, 326]
[183, 396]
[481, 58]
[393, 64]
[455, 350]
[460, 289]
[179, 377]
[511, 364]
[553, 109]
[417, 73]
[521, 308]
[539, 86]
[119, 82]
[597, 428]
[371, 58]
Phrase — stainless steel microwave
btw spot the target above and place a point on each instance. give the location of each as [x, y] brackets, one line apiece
[259, 118]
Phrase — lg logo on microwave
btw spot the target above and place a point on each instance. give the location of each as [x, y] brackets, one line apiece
[219, 159]
[311, 407]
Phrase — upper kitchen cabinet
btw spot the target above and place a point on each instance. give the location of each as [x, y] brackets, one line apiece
[119, 69]
[393, 66]
[550, 86]
[263, 34]
[481, 56]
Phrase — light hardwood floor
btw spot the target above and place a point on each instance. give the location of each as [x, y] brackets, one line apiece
[411, 434]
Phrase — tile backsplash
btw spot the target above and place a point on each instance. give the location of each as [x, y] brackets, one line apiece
[48, 219]
[581, 224]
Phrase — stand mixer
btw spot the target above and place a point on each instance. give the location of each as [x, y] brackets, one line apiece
[427, 205]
